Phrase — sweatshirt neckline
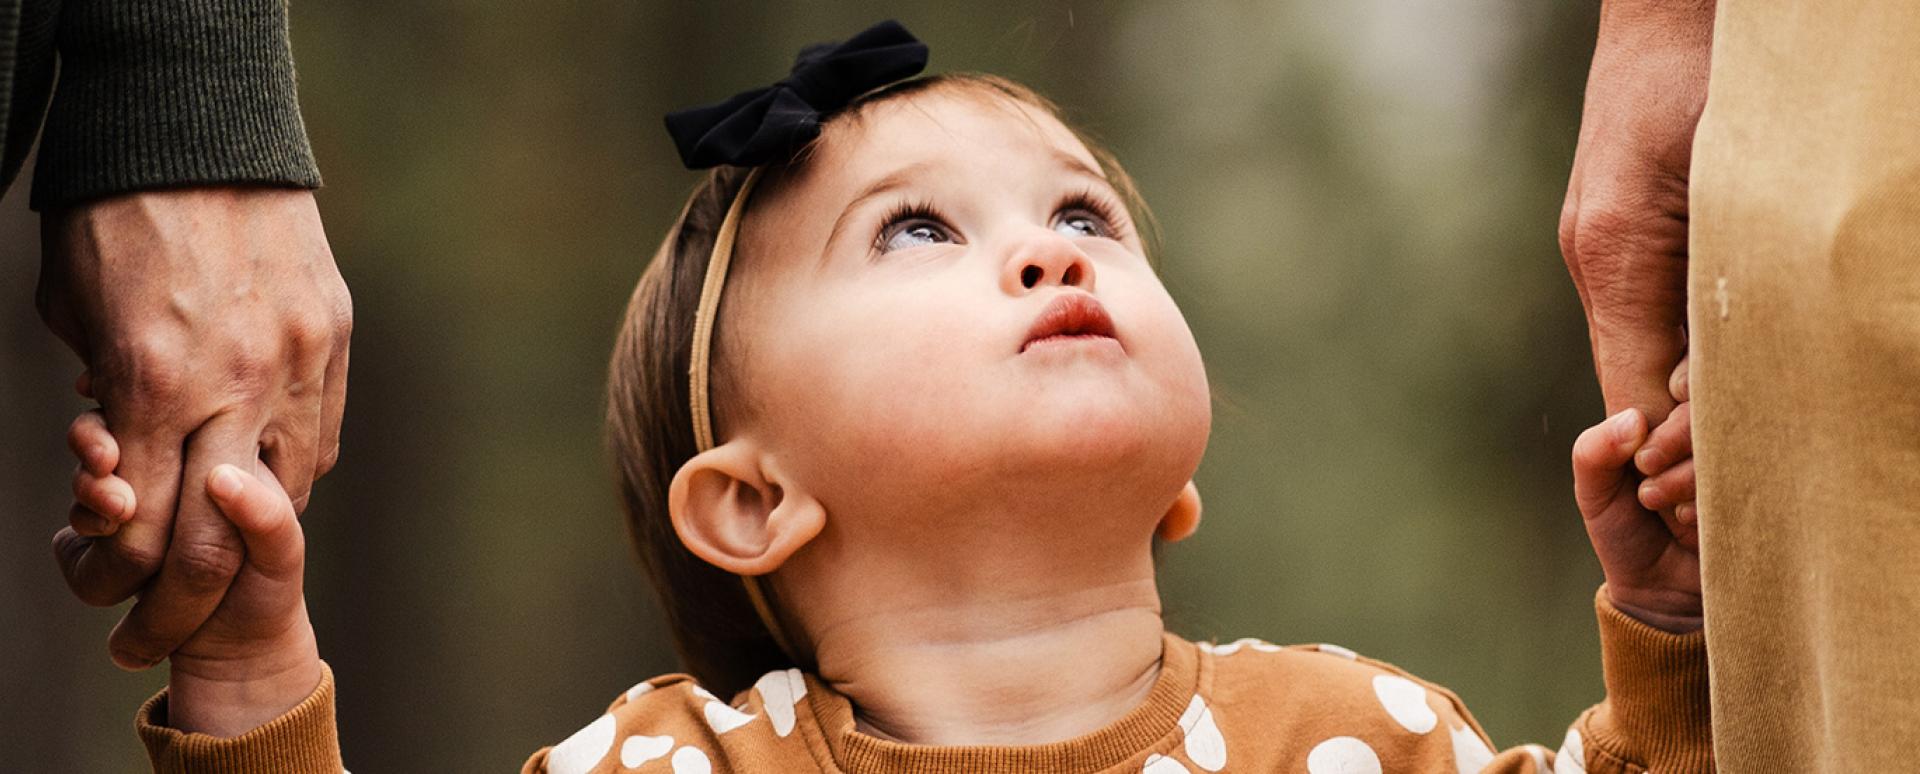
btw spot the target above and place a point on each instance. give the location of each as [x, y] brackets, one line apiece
[1141, 729]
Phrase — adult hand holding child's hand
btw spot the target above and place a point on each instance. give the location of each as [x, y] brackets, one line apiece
[1652, 565]
[255, 658]
[214, 327]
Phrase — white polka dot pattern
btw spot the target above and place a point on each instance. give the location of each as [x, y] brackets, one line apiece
[1338, 651]
[1572, 758]
[723, 718]
[1343, 755]
[1205, 746]
[780, 691]
[1161, 764]
[585, 749]
[1470, 755]
[1235, 646]
[1406, 701]
[641, 748]
[689, 760]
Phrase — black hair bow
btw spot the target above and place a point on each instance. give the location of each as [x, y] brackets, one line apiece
[772, 123]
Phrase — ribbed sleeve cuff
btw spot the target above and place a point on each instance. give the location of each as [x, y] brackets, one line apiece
[303, 741]
[1656, 714]
[156, 95]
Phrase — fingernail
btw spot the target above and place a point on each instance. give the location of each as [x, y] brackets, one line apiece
[1648, 491]
[1647, 459]
[96, 452]
[225, 483]
[96, 525]
[1685, 514]
[131, 662]
[1622, 422]
[119, 505]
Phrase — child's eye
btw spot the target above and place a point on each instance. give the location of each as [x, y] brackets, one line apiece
[912, 225]
[1087, 215]
[1081, 225]
[914, 234]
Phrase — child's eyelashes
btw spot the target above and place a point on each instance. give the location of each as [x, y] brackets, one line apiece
[1088, 214]
[916, 223]
[912, 224]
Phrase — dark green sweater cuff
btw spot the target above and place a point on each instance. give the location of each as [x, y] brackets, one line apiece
[169, 93]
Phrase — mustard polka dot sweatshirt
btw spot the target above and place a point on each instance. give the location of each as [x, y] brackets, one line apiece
[1245, 706]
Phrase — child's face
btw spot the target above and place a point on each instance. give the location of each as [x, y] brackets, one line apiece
[886, 353]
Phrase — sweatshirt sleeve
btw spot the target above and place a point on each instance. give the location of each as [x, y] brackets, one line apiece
[1654, 717]
[155, 94]
[302, 741]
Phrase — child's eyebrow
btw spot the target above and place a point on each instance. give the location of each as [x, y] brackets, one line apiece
[1074, 164]
[893, 181]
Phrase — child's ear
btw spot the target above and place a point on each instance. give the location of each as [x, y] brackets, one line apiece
[731, 507]
[1183, 518]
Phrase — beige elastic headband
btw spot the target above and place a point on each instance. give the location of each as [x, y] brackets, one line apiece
[697, 368]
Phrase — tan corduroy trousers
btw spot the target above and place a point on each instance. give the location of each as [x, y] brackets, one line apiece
[1804, 307]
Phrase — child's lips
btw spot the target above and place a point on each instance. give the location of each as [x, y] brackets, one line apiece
[1071, 318]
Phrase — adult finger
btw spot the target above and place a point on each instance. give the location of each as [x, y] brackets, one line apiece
[333, 406]
[290, 443]
[102, 497]
[1628, 237]
[99, 454]
[1669, 489]
[106, 571]
[1669, 443]
[202, 557]
[1680, 385]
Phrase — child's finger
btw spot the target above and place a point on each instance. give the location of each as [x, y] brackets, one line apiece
[1680, 383]
[109, 496]
[90, 441]
[1669, 489]
[1669, 443]
[1600, 458]
[264, 515]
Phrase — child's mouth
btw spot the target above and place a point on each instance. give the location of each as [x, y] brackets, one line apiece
[1073, 317]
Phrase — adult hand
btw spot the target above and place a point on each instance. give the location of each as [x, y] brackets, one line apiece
[214, 327]
[1623, 229]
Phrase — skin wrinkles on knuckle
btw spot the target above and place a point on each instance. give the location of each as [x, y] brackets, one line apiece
[1617, 224]
[203, 567]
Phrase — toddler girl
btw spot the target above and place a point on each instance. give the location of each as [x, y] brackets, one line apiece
[900, 411]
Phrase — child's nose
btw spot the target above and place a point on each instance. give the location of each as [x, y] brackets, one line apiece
[1045, 257]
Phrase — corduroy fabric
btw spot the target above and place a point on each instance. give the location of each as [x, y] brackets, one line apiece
[151, 95]
[1804, 313]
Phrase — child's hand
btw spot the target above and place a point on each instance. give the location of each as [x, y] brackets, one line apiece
[1651, 560]
[255, 658]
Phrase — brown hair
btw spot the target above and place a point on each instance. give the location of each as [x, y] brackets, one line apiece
[720, 639]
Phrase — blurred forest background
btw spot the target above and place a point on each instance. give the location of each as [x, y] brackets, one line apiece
[1358, 201]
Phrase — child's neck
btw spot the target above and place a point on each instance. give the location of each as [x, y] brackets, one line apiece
[1016, 669]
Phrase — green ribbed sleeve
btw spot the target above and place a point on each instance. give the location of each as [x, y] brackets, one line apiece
[166, 93]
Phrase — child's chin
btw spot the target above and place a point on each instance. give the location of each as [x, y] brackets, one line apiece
[1093, 432]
